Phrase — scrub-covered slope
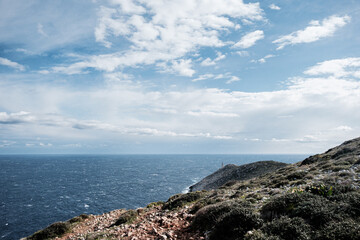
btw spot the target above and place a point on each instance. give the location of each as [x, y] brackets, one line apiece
[232, 172]
[318, 198]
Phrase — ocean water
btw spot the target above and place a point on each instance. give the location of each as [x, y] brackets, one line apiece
[37, 190]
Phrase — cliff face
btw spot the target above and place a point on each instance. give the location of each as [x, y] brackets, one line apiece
[232, 172]
[316, 199]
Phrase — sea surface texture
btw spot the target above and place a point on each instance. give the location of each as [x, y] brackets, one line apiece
[37, 190]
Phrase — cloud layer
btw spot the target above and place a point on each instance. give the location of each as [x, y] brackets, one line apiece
[133, 110]
[164, 32]
[9, 63]
[314, 32]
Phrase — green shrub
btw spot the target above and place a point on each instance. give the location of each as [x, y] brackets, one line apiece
[181, 200]
[278, 182]
[235, 224]
[284, 205]
[343, 162]
[54, 230]
[339, 168]
[259, 235]
[202, 203]
[127, 217]
[342, 152]
[321, 190]
[79, 218]
[230, 184]
[99, 236]
[317, 211]
[348, 203]
[344, 230]
[206, 217]
[155, 204]
[296, 175]
[340, 188]
[288, 228]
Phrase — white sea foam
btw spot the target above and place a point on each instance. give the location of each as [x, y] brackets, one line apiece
[185, 190]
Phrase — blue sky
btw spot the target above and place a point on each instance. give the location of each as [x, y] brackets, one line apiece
[178, 76]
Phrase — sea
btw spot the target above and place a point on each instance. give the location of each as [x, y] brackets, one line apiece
[37, 190]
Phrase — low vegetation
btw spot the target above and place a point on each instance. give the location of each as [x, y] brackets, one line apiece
[127, 217]
[181, 200]
[316, 199]
[54, 230]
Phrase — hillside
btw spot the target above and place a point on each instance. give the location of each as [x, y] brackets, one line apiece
[318, 198]
[232, 172]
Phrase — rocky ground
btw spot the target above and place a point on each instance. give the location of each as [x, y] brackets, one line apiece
[318, 198]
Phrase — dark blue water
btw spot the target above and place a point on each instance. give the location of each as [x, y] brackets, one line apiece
[37, 190]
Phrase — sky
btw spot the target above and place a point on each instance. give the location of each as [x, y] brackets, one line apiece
[178, 76]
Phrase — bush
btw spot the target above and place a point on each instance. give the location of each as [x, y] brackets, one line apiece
[348, 203]
[54, 230]
[79, 218]
[181, 200]
[296, 175]
[259, 235]
[321, 190]
[230, 184]
[235, 224]
[345, 230]
[284, 205]
[288, 228]
[315, 209]
[203, 203]
[206, 217]
[338, 189]
[127, 217]
[155, 204]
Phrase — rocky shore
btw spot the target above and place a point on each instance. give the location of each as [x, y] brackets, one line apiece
[318, 198]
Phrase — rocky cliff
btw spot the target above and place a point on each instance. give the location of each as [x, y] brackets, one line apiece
[232, 172]
[316, 199]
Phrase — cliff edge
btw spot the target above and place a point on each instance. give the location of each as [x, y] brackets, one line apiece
[232, 172]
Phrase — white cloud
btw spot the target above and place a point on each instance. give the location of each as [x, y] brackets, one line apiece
[204, 77]
[233, 79]
[274, 7]
[263, 60]
[209, 62]
[18, 117]
[118, 78]
[40, 29]
[343, 128]
[25, 51]
[249, 39]
[314, 32]
[242, 53]
[303, 112]
[227, 76]
[9, 63]
[182, 67]
[212, 114]
[346, 67]
[45, 144]
[162, 32]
